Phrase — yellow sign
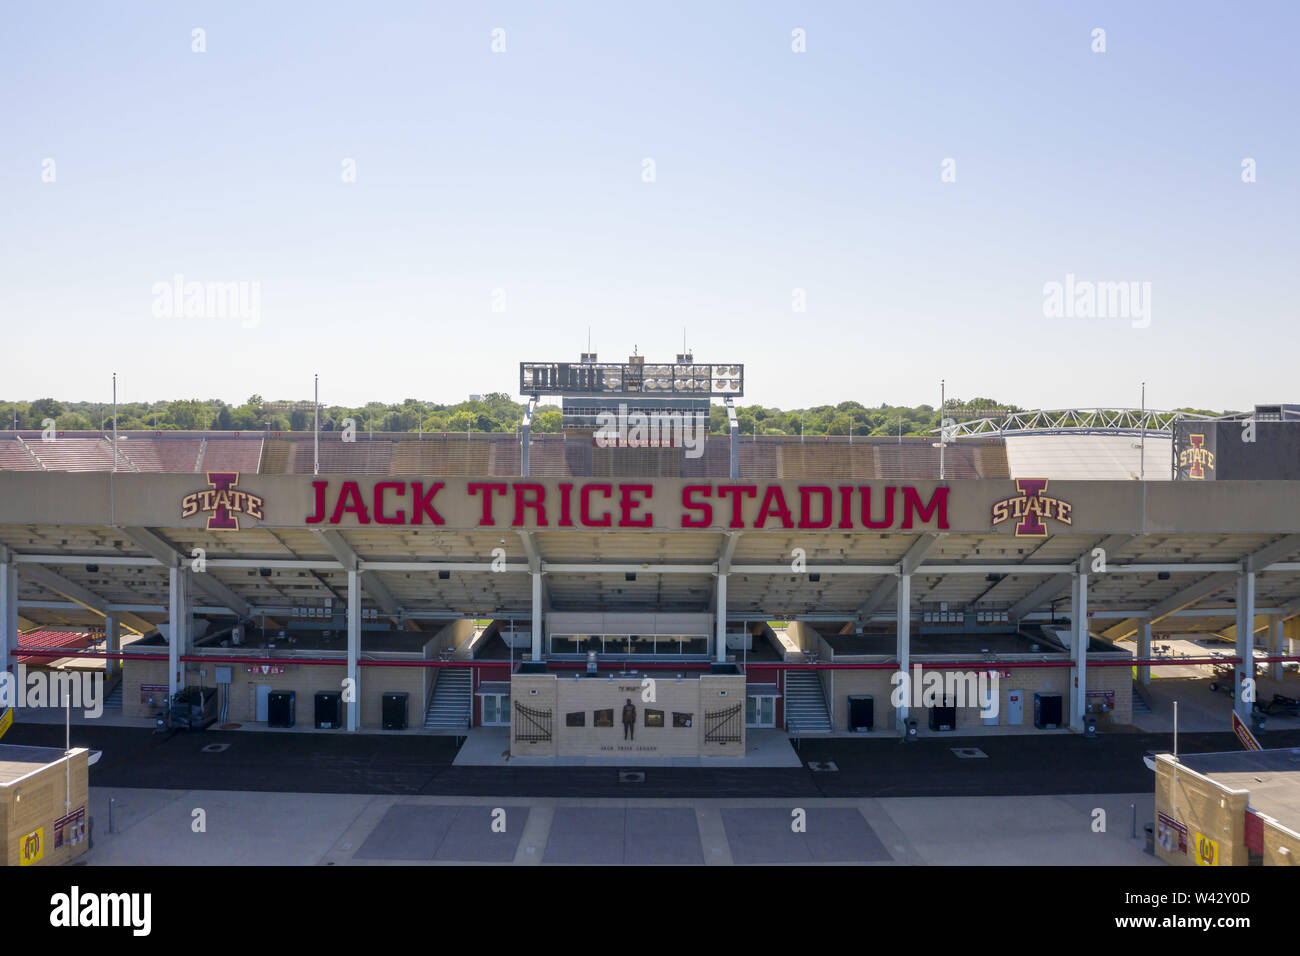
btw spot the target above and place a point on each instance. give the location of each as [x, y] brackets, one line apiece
[1207, 851]
[32, 848]
[6, 719]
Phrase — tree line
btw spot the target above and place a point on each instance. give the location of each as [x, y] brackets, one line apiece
[494, 412]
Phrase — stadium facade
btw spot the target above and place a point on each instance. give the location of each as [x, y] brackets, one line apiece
[602, 599]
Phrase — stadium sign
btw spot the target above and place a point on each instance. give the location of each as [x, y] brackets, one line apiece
[1032, 509]
[597, 504]
[224, 501]
[1194, 460]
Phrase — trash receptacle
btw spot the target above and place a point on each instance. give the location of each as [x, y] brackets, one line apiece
[1150, 831]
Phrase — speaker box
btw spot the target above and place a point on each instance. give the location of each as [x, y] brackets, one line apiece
[943, 718]
[329, 709]
[1047, 711]
[862, 713]
[394, 710]
[280, 708]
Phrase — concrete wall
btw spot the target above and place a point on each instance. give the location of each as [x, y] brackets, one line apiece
[35, 802]
[560, 696]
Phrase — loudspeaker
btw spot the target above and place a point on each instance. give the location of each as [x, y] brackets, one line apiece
[394, 710]
[943, 718]
[329, 709]
[862, 713]
[1047, 711]
[280, 708]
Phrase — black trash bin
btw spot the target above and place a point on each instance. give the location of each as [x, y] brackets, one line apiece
[329, 709]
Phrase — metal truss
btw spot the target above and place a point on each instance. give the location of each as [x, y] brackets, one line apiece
[1056, 420]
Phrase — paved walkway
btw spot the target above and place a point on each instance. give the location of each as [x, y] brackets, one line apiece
[490, 747]
[158, 827]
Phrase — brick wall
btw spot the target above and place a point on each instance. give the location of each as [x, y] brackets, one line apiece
[35, 802]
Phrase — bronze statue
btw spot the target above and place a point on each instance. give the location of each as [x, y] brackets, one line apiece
[629, 719]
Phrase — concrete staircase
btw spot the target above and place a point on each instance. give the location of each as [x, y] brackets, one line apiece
[113, 702]
[805, 707]
[451, 705]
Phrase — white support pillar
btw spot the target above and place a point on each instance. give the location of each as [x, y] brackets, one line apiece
[721, 654]
[537, 615]
[112, 644]
[178, 625]
[1144, 649]
[8, 613]
[903, 641]
[1079, 648]
[353, 707]
[1275, 644]
[1245, 642]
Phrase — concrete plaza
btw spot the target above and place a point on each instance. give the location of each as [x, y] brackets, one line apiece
[247, 828]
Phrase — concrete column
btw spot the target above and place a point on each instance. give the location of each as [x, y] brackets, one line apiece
[178, 625]
[8, 614]
[537, 615]
[354, 649]
[1079, 648]
[735, 452]
[1245, 641]
[1275, 644]
[903, 640]
[721, 654]
[1144, 649]
[525, 432]
[112, 644]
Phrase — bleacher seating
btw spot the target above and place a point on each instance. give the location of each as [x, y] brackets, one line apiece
[14, 456]
[242, 455]
[155, 454]
[550, 456]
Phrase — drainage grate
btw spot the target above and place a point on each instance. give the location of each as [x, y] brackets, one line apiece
[823, 766]
[631, 776]
[214, 748]
[968, 752]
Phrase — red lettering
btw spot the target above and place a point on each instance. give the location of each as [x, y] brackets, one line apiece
[489, 488]
[912, 505]
[422, 502]
[380, 517]
[774, 503]
[846, 506]
[627, 505]
[350, 500]
[866, 508]
[688, 494]
[319, 516]
[805, 495]
[537, 503]
[566, 521]
[584, 506]
[737, 492]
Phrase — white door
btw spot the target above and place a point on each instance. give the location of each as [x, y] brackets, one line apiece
[496, 710]
[1015, 707]
[263, 702]
[760, 711]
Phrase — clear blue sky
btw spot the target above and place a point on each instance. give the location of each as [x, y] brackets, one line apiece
[522, 171]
